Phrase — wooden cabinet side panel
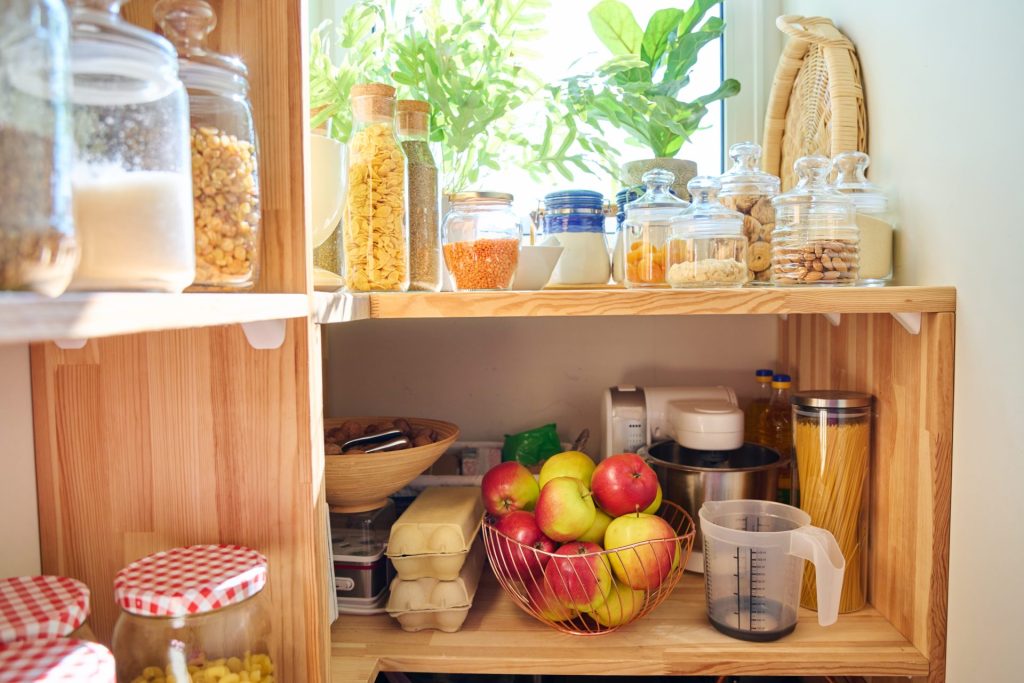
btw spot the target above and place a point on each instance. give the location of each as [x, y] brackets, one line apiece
[146, 442]
[911, 377]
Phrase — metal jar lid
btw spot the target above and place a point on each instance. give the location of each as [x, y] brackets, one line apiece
[832, 399]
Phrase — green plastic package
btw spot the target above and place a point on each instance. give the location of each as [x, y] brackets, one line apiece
[533, 446]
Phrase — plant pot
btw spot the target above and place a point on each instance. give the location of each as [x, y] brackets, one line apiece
[684, 170]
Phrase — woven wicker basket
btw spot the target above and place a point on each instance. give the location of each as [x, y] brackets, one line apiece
[816, 104]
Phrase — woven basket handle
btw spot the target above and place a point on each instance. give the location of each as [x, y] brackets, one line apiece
[817, 30]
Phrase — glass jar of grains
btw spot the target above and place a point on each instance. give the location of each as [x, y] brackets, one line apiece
[647, 229]
[37, 241]
[481, 240]
[194, 613]
[424, 196]
[707, 247]
[375, 223]
[815, 241]
[225, 179]
[749, 190]
[874, 219]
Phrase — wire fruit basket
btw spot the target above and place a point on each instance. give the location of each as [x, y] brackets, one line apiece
[588, 591]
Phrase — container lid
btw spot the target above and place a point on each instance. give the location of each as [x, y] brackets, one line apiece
[781, 381]
[706, 215]
[357, 550]
[192, 580]
[706, 424]
[628, 194]
[480, 198]
[657, 203]
[60, 659]
[852, 181]
[832, 399]
[746, 176]
[764, 372]
[187, 24]
[587, 200]
[41, 607]
[812, 194]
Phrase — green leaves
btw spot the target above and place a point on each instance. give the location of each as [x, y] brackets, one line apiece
[661, 29]
[614, 24]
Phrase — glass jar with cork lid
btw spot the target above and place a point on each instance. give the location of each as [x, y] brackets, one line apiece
[375, 224]
[413, 121]
[225, 178]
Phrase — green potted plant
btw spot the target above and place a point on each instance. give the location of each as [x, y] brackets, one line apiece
[638, 89]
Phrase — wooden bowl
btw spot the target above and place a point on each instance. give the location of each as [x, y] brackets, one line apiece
[357, 482]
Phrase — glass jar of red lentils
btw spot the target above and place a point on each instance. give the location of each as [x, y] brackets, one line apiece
[195, 610]
[481, 240]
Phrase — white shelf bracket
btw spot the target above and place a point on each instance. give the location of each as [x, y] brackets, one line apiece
[70, 344]
[783, 317]
[264, 335]
[911, 322]
[833, 318]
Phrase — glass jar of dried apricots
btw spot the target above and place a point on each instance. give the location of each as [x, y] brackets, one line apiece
[647, 230]
[193, 614]
[375, 223]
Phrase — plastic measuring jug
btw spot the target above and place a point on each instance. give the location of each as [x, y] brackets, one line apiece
[754, 552]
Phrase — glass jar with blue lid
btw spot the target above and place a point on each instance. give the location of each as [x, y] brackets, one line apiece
[575, 218]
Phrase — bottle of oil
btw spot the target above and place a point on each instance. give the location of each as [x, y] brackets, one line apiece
[779, 428]
[754, 424]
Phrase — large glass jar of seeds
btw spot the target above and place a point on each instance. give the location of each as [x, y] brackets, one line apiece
[481, 240]
[132, 181]
[194, 613]
[225, 178]
[816, 240]
[37, 242]
[707, 247]
[647, 229]
[375, 223]
[424, 196]
[749, 190]
[874, 218]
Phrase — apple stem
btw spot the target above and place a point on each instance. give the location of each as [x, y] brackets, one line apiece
[588, 494]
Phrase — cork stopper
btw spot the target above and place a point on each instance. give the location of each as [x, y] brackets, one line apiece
[413, 117]
[372, 101]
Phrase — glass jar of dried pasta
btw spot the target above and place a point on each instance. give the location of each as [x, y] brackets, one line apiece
[375, 225]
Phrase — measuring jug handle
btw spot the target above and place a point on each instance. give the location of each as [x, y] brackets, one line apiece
[819, 547]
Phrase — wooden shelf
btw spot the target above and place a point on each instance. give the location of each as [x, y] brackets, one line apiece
[29, 318]
[676, 639]
[340, 307]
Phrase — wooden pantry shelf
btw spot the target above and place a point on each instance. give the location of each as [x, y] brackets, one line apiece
[28, 317]
[331, 307]
[676, 639]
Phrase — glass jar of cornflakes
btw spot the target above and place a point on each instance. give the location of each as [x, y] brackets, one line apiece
[375, 226]
[195, 610]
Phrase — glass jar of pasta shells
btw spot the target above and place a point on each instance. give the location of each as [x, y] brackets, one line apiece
[193, 614]
[225, 178]
[707, 247]
[816, 240]
[375, 224]
[749, 190]
[647, 228]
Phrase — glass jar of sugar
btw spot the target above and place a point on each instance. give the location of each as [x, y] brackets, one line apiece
[874, 218]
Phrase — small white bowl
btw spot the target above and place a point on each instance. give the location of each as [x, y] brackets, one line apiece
[536, 263]
[327, 166]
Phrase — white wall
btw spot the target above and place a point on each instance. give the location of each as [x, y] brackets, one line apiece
[19, 523]
[943, 88]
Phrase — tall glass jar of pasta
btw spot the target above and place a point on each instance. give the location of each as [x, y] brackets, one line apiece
[832, 446]
[375, 227]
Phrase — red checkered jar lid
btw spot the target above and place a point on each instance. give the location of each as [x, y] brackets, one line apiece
[193, 580]
[41, 607]
[59, 659]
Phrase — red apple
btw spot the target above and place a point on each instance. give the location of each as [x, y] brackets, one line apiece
[624, 483]
[509, 487]
[622, 605]
[579, 576]
[513, 559]
[544, 601]
[645, 566]
[565, 509]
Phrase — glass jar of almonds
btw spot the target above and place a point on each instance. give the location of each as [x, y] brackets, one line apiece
[225, 178]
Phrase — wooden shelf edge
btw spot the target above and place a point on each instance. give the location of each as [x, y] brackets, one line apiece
[605, 302]
[28, 317]
[340, 307]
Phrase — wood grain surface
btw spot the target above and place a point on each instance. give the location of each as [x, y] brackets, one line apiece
[675, 639]
[911, 378]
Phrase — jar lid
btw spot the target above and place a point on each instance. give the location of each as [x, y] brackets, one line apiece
[61, 659]
[832, 399]
[192, 580]
[574, 199]
[706, 215]
[41, 607]
[852, 181]
[480, 197]
[812, 191]
[657, 203]
[187, 24]
[746, 176]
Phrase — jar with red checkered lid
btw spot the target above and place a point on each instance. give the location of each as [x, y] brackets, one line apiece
[54, 660]
[42, 607]
[193, 614]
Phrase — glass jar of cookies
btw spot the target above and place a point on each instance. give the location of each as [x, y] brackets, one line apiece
[749, 190]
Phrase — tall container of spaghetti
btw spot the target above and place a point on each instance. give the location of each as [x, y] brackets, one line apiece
[832, 445]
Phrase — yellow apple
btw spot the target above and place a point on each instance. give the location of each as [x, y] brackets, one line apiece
[622, 605]
[595, 534]
[568, 464]
[653, 508]
[646, 565]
